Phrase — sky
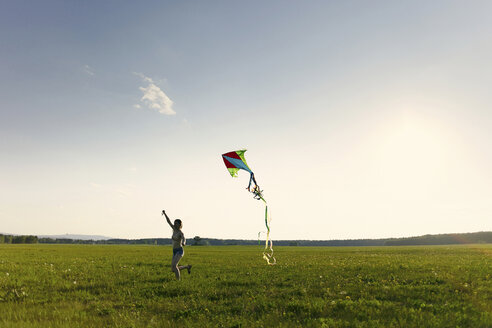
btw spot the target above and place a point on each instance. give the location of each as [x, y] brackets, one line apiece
[362, 119]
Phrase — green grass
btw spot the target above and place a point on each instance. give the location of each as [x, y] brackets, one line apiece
[132, 286]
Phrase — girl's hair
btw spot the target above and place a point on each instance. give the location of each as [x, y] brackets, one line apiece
[177, 223]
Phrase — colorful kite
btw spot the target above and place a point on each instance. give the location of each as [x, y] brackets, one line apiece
[235, 161]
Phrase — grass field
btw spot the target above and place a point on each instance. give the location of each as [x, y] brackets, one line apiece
[132, 286]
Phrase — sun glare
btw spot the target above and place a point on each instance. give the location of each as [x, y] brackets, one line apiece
[411, 155]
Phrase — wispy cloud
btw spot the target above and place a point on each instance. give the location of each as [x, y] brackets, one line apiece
[89, 70]
[143, 77]
[154, 98]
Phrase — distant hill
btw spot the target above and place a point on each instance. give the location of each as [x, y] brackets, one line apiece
[75, 237]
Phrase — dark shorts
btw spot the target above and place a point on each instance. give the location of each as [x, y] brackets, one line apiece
[179, 251]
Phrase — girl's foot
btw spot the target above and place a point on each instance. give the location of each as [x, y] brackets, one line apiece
[189, 268]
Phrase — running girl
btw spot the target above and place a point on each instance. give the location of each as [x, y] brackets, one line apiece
[179, 242]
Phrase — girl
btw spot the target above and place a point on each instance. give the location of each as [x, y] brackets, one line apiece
[178, 242]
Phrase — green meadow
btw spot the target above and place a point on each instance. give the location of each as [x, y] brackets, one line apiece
[132, 286]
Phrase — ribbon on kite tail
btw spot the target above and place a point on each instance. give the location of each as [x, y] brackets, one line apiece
[258, 194]
[268, 251]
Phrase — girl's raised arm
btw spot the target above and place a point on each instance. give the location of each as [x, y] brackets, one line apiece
[167, 219]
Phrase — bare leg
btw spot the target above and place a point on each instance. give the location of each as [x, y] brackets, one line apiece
[174, 265]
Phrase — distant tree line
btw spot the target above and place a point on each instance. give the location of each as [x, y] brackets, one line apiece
[443, 239]
[483, 237]
[11, 239]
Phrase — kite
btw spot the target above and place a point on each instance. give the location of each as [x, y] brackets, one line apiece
[235, 161]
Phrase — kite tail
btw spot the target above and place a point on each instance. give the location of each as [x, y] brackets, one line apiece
[258, 194]
[255, 189]
[268, 251]
[251, 179]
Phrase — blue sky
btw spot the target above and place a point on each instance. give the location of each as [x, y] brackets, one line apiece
[362, 119]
